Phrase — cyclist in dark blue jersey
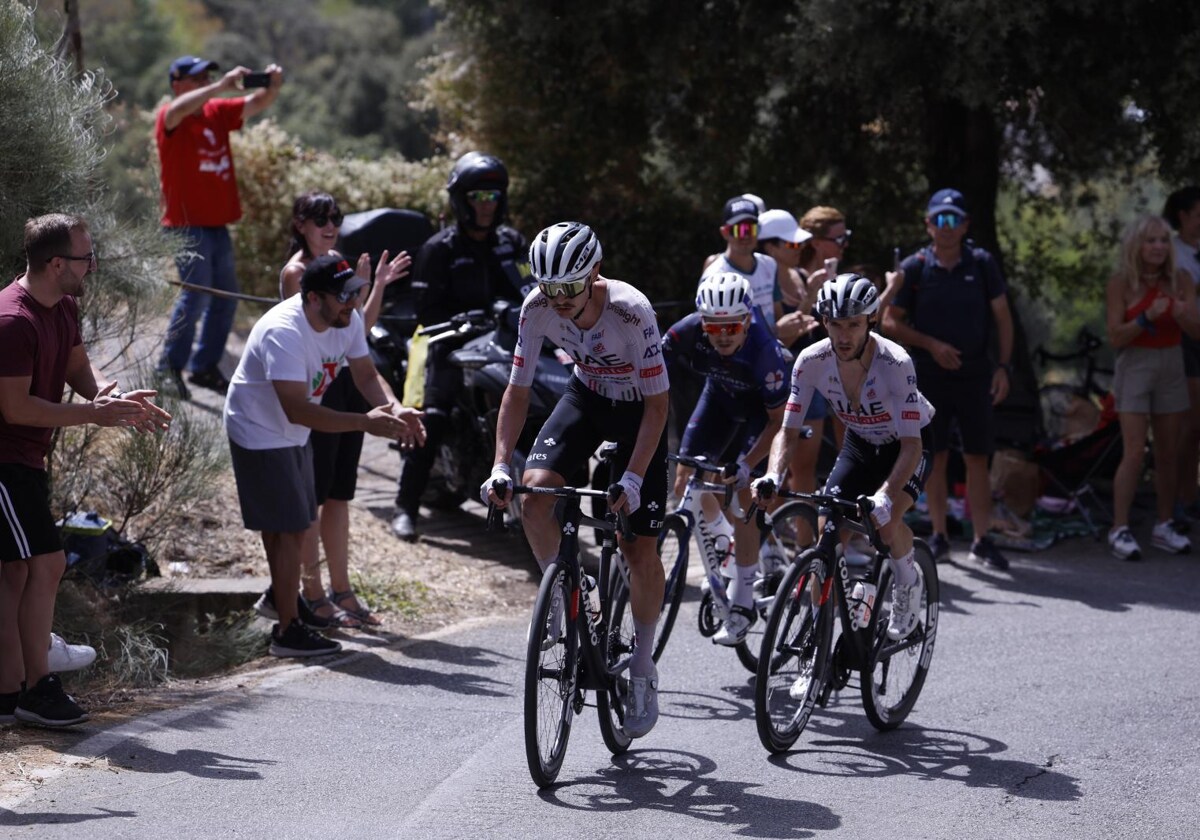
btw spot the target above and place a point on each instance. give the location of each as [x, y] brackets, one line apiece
[745, 370]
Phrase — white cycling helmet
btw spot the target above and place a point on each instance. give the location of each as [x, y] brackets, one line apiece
[847, 295]
[564, 253]
[725, 295]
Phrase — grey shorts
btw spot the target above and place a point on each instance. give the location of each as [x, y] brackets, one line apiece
[1150, 380]
[275, 487]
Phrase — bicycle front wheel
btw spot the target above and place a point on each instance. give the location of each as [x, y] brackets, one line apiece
[551, 684]
[793, 663]
[896, 672]
[610, 704]
[673, 552]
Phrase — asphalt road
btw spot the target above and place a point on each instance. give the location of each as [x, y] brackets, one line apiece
[1060, 703]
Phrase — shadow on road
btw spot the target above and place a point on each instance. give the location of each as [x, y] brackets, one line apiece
[12, 818]
[680, 783]
[933, 754]
[372, 666]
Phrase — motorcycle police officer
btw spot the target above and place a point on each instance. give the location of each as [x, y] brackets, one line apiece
[467, 265]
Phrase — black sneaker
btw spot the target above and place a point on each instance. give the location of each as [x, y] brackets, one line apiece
[46, 704]
[8, 705]
[210, 378]
[298, 640]
[985, 552]
[939, 547]
[174, 378]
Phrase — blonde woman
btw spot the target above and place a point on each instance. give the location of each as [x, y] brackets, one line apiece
[1150, 304]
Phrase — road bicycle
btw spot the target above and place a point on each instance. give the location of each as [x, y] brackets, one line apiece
[590, 650]
[779, 546]
[1074, 409]
[805, 656]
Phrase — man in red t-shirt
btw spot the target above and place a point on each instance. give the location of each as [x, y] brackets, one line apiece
[199, 198]
[41, 352]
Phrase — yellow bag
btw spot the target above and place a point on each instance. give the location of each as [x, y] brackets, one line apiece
[414, 378]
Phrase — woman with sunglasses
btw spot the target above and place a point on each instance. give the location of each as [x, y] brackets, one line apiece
[739, 411]
[316, 220]
[870, 382]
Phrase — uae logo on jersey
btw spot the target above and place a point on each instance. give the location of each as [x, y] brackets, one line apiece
[774, 380]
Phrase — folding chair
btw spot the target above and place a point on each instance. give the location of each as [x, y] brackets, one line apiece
[1068, 469]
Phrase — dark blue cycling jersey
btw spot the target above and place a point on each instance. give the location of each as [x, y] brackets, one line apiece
[759, 365]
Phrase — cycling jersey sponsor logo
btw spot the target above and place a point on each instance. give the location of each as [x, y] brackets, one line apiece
[774, 380]
[518, 361]
[912, 380]
[598, 348]
[648, 332]
[619, 370]
[651, 371]
[871, 394]
[538, 456]
[625, 315]
[550, 441]
[910, 415]
[792, 406]
[596, 336]
[652, 351]
[855, 418]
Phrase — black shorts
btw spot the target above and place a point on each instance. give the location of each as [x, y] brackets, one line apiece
[965, 399]
[1191, 356]
[275, 487]
[577, 426]
[336, 454]
[27, 527]
[861, 467]
[720, 429]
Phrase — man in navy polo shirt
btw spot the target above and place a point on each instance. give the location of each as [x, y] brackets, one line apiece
[952, 300]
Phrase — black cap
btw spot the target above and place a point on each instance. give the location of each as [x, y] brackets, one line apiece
[332, 275]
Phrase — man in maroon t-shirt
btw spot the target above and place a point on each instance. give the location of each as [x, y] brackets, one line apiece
[41, 352]
[199, 198]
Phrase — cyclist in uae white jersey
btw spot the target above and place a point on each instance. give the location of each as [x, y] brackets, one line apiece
[871, 384]
[618, 393]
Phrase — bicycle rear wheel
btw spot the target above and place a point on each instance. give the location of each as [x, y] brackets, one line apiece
[551, 683]
[793, 664]
[673, 551]
[794, 525]
[610, 704]
[896, 673]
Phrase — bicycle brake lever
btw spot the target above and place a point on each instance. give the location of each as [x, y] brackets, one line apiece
[495, 519]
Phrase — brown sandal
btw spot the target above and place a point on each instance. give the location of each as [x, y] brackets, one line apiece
[362, 613]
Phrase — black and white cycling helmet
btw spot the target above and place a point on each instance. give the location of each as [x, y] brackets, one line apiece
[477, 171]
[725, 295]
[564, 253]
[847, 295]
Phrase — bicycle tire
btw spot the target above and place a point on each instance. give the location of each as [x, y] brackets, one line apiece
[610, 704]
[896, 672]
[551, 684]
[673, 552]
[783, 523]
[795, 653]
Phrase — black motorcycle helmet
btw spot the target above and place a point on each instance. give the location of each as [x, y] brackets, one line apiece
[477, 171]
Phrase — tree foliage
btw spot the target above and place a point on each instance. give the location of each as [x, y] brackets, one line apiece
[642, 116]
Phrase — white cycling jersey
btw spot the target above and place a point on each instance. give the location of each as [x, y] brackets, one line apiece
[619, 357]
[889, 407]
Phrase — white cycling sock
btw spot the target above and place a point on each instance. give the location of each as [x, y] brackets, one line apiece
[741, 586]
[904, 569]
[641, 662]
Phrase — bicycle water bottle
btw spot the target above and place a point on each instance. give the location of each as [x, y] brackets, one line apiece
[591, 597]
[862, 601]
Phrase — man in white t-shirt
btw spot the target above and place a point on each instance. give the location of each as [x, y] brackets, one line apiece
[274, 400]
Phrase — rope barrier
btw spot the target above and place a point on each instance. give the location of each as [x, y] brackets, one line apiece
[224, 294]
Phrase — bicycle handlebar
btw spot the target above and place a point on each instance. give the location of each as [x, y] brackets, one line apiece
[854, 514]
[618, 521]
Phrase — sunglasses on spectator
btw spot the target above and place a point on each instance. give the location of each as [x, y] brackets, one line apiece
[89, 257]
[322, 219]
[570, 288]
[742, 230]
[841, 241]
[343, 297]
[947, 221]
[483, 196]
[723, 327]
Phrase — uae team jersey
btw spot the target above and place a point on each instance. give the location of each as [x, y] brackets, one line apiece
[619, 357]
[890, 406]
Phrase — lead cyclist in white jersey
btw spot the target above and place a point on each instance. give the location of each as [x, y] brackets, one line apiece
[618, 393]
[871, 384]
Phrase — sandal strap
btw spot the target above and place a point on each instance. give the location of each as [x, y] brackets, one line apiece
[340, 596]
[317, 603]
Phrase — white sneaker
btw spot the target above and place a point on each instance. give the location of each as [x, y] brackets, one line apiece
[554, 628]
[641, 705]
[1166, 538]
[733, 631]
[65, 657]
[1122, 544]
[906, 602]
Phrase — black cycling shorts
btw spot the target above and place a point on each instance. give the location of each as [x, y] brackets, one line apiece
[577, 426]
[861, 467]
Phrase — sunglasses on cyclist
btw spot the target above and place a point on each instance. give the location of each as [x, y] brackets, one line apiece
[723, 327]
[323, 219]
[570, 288]
[947, 221]
[850, 309]
[481, 196]
[742, 230]
[841, 241]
